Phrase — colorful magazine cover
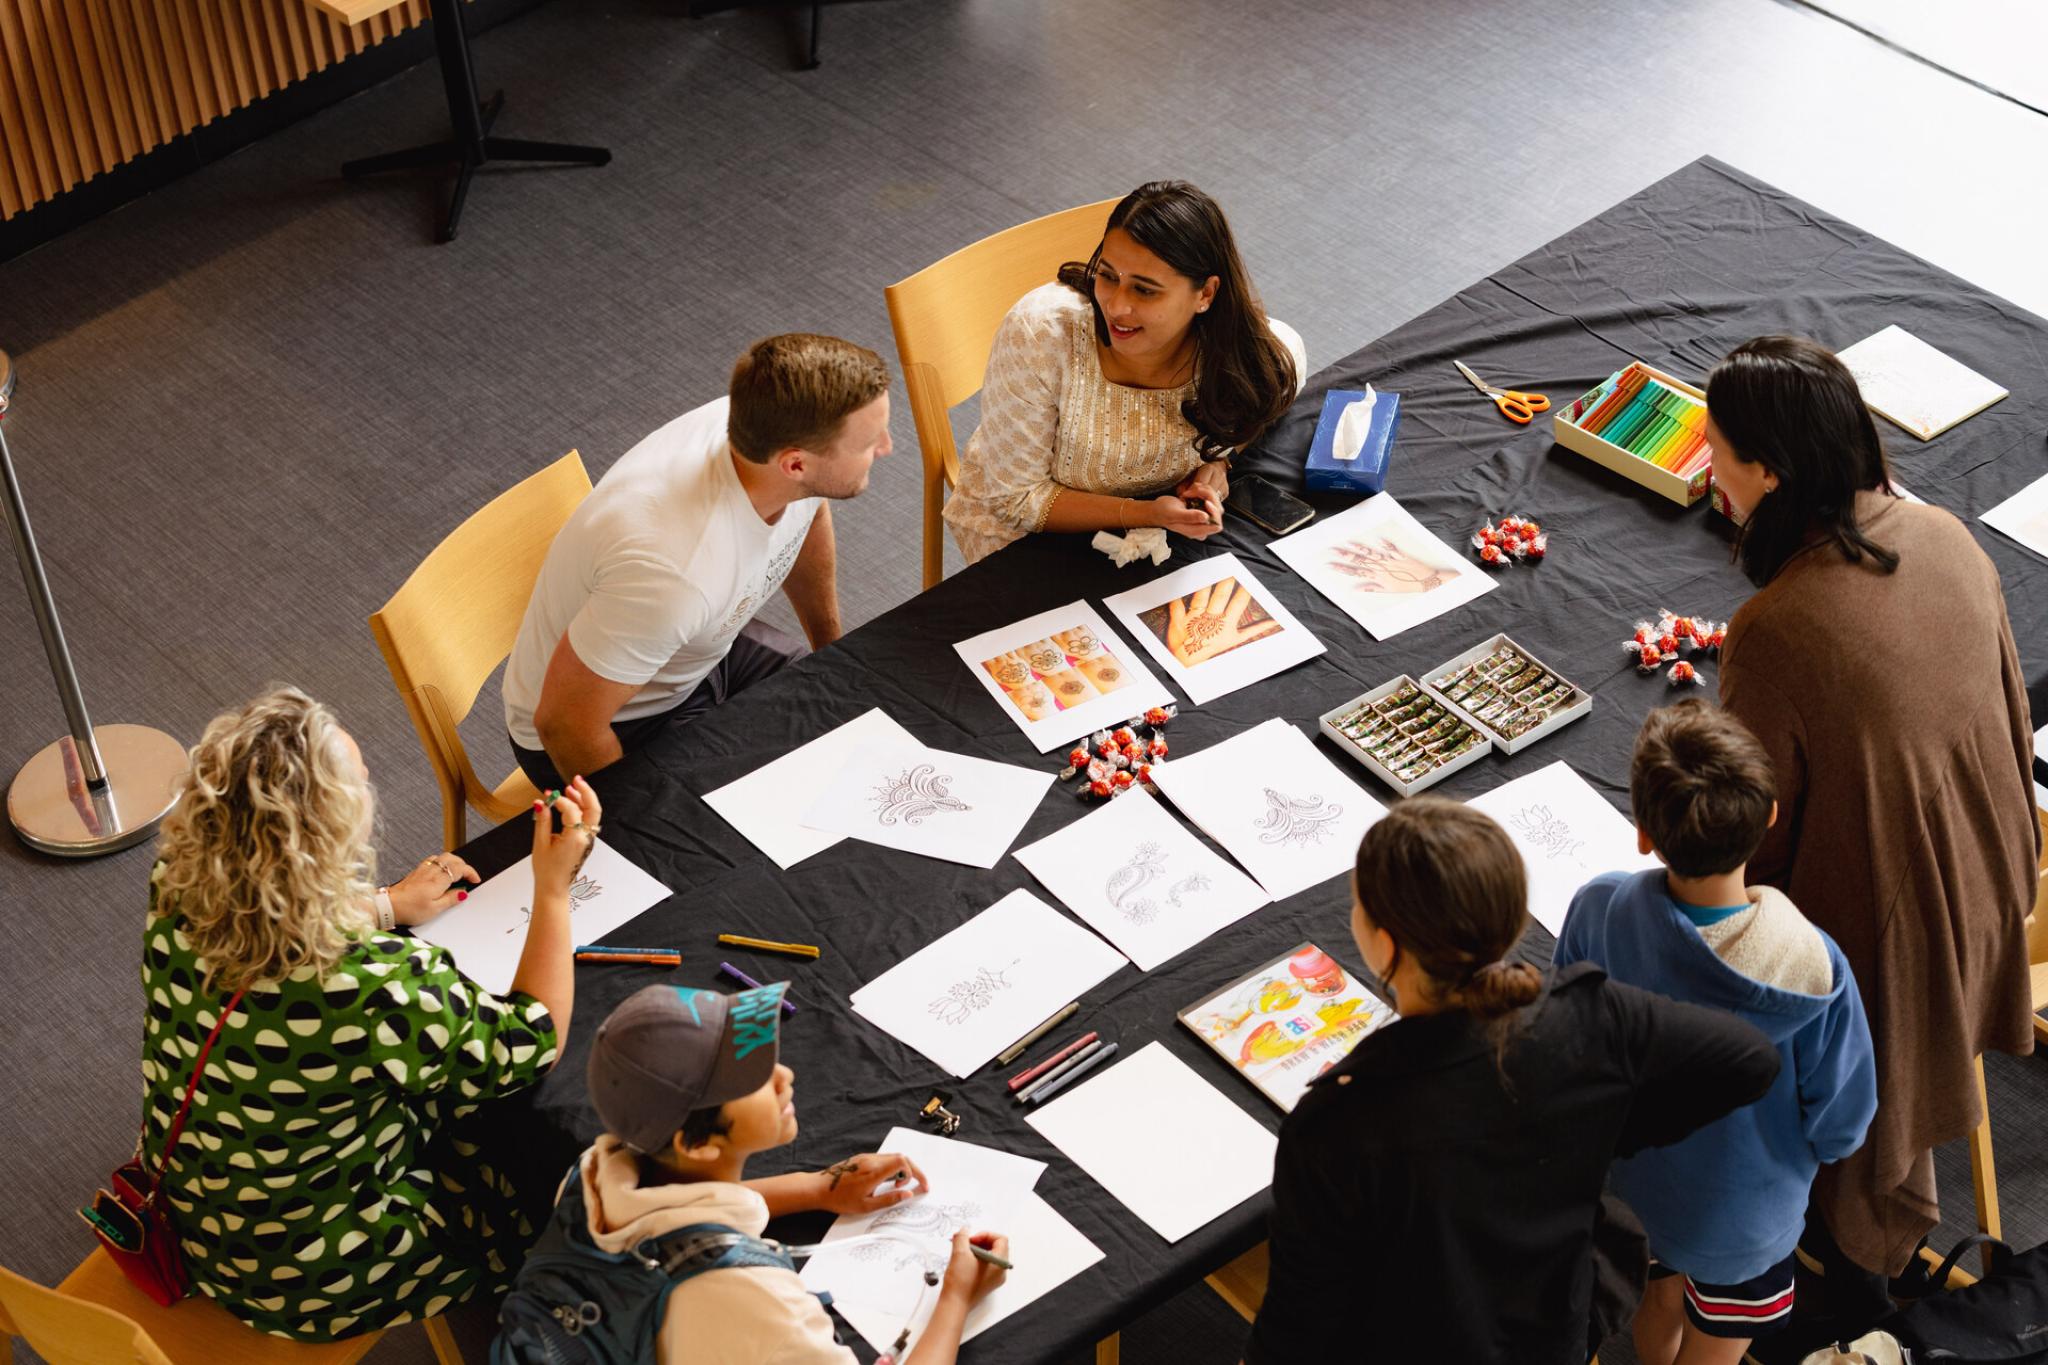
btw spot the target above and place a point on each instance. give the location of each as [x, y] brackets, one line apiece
[1288, 1022]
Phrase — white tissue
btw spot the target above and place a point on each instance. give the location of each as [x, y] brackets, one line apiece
[1353, 426]
[1147, 542]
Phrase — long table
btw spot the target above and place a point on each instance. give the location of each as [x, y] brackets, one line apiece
[1675, 276]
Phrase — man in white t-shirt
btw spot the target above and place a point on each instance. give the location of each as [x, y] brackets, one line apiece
[643, 614]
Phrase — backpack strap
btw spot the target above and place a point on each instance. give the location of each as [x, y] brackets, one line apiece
[689, 1251]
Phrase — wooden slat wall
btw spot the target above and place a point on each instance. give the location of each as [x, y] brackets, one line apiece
[88, 84]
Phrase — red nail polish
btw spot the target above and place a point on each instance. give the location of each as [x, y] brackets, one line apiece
[462, 895]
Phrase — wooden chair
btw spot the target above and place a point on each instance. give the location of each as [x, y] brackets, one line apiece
[97, 1318]
[945, 318]
[453, 622]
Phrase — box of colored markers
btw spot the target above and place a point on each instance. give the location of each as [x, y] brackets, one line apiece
[1405, 735]
[1513, 697]
[1644, 425]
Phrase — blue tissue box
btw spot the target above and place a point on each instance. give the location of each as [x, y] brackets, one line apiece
[1367, 473]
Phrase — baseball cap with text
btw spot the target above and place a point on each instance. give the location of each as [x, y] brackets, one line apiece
[669, 1050]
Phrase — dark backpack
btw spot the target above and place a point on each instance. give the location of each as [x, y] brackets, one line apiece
[2000, 1320]
[574, 1304]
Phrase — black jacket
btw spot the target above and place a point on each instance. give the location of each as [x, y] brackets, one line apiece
[1424, 1210]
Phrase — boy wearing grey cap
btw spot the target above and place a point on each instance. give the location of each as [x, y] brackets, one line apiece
[655, 1252]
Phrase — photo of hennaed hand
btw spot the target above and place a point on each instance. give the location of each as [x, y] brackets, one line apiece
[1211, 621]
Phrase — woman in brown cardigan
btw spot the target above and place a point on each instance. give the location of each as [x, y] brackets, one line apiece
[1877, 665]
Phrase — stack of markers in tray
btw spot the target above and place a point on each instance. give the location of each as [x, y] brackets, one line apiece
[1650, 420]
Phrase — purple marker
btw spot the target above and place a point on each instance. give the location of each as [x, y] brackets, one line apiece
[752, 985]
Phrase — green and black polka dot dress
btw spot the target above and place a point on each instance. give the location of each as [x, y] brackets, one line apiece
[320, 1188]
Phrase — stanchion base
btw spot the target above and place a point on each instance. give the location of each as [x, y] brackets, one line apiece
[55, 812]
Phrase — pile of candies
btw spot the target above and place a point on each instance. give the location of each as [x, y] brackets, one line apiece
[1669, 639]
[1516, 538]
[1408, 732]
[1116, 761]
[1508, 691]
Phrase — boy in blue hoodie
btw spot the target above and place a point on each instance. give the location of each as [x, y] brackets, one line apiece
[1724, 1207]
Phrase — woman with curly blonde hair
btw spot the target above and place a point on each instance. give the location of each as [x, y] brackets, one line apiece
[319, 1188]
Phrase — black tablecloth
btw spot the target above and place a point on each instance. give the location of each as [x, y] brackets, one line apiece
[1674, 276]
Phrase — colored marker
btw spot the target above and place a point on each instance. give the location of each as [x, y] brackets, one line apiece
[1016, 1049]
[651, 959]
[1057, 1072]
[752, 985]
[609, 948]
[767, 945]
[1024, 1078]
[985, 1254]
[1616, 402]
[1095, 1059]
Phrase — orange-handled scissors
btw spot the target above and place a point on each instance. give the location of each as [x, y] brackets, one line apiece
[1514, 405]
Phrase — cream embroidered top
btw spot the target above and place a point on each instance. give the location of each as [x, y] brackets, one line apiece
[1049, 420]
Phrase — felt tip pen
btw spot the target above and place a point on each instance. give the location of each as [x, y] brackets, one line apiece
[751, 984]
[1057, 1072]
[1095, 1059]
[1024, 1078]
[608, 948]
[983, 1253]
[1016, 1049]
[619, 959]
[765, 945]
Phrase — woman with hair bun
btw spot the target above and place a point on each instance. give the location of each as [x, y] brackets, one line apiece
[1436, 1193]
[1116, 395]
[317, 1185]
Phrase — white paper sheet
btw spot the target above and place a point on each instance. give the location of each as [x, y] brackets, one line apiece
[1382, 567]
[1046, 1251]
[1213, 627]
[1275, 803]
[1170, 1147]
[2023, 516]
[873, 1263]
[1567, 832]
[900, 794]
[1923, 389]
[1147, 885]
[966, 997]
[1061, 674]
[766, 803]
[487, 933]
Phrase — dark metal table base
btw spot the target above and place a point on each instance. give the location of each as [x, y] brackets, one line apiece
[471, 144]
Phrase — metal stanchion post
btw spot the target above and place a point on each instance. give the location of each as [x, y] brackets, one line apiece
[94, 790]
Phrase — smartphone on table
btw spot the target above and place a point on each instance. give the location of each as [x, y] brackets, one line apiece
[1267, 505]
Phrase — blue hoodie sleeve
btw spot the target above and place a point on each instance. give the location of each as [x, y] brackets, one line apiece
[1837, 1072]
[1575, 941]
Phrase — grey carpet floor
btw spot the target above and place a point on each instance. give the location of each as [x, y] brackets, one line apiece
[250, 402]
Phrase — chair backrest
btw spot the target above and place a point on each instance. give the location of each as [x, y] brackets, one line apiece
[68, 1331]
[446, 630]
[945, 319]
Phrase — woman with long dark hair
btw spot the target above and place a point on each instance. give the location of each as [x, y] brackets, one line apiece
[1438, 1192]
[1876, 664]
[1116, 395]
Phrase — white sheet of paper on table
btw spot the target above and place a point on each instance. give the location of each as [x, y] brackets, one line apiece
[978, 1188]
[965, 997]
[902, 795]
[1921, 387]
[1170, 1147]
[1288, 815]
[1382, 567]
[766, 804]
[1147, 885]
[1062, 661]
[2023, 516]
[1046, 1251]
[1257, 658]
[487, 933]
[1567, 833]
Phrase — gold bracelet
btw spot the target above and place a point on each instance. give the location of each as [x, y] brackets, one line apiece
[1123, 514]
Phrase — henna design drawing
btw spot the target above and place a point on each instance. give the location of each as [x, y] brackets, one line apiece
[919, 1234]
[1201, 630]
[1124, 884]
[1011, 674]
[1193, 884]
[963, 998]
[908, 798]
[581, 891]
[839, 1170]
[1291, 821]
[1547, 830]
[1048, 660]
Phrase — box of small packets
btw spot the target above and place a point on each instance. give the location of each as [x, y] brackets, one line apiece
[1405, 735]
[1512, 696]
